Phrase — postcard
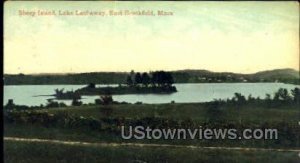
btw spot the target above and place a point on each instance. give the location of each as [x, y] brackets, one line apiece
[144, 81]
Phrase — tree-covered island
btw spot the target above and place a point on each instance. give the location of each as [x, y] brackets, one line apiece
[158, 82]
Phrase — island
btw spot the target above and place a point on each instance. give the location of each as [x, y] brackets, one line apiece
[158, 82]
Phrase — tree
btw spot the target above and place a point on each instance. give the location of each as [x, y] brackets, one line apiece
[131, 74]
[162, 78]
[92, 85]
[10, 104]
[106, 99]
[145, 79]
[157, 78]
[296, 95]
[239, 98]
[138, 78]
[76, 102]
[168, 79]
[282, 95]
[129, 81]
[153, 78]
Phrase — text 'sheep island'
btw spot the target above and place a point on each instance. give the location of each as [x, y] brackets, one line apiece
[34, 13]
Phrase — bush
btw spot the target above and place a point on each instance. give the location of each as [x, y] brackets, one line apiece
[76, 102]
[104, 100]
[54, 104]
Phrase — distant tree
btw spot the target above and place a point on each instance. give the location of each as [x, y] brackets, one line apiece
[132, 74]
[296, 95]
[52, 104]
[129, 81]
[162, 78]
[92, 85]
[157, 78]
[59, 92]
[106, 99]
[268, 97]
[145, 79]
[10, 104]
[138, 78]
[168, 79]
[153, 78]
[239, 98]
[282, 95]
[250, 98]
[76, 102]
[61, 104]
[268, 100]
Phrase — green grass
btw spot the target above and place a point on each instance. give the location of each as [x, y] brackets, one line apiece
[35, 152]
[196, 112]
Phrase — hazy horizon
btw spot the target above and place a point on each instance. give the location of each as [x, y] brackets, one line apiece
[238, 37]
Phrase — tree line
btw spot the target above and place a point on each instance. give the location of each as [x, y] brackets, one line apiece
[154, 79]
[282, 97]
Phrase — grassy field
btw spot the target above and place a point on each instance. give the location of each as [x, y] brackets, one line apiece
[47, 152]
[195, 111]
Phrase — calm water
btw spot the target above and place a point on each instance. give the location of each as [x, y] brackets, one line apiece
[25, 94]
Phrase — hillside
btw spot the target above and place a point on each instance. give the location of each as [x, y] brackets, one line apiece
[278, 73]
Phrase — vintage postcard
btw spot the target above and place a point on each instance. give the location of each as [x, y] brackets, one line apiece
[145, 82]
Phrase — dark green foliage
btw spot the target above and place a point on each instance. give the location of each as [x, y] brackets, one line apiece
[162, 79]
[161, 83]
[146, 79]
[282, 95]
[60, 94]
[156, 78]
[62, 119]
[138, 79]
[129, 81]
[92, 85]
[10, 105]
[296, 95]
[214, 111]
[55, 104]
[281, 98]
[76, 102]
[239, 99]
[106, 111]
[106, 99]
[52, 104]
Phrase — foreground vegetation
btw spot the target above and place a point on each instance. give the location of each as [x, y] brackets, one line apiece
[103, 122]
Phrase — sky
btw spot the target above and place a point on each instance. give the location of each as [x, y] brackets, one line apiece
[242, 37]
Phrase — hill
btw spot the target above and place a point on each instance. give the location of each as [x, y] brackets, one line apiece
[278, 73]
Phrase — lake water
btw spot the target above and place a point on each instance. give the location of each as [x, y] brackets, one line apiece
[200, 92]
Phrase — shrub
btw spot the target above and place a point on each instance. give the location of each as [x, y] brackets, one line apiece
[76, 102]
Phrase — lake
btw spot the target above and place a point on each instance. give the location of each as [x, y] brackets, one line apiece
[199, 92]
